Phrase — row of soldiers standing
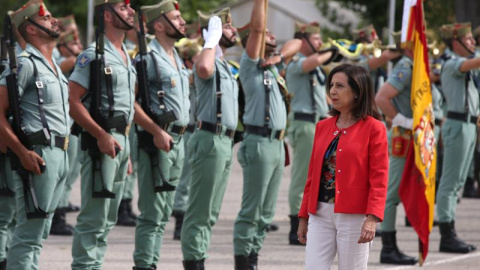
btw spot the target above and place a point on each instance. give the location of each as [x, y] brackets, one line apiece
[178, 126]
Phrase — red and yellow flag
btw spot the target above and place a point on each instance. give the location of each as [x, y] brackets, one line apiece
[417, 189]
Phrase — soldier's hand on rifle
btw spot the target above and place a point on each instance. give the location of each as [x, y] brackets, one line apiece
[31, 162]
[213, 34]
[107, 145]
[162, 140]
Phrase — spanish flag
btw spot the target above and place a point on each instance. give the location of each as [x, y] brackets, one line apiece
[417, 189]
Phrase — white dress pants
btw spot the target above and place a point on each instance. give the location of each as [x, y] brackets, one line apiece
[330, 233]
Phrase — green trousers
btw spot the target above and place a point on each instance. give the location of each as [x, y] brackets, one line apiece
[210, 161]
[181, 193]
[7, 212]
[130, 180]
[98, 215]
[458, 148]
[263, 161]
[73, 172]
[27, 238]
[155, 207]
[301, 135]
[395, 171]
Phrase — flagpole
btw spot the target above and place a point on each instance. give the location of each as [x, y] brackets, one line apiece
[262, 48]
[90, 28]
[391, 28]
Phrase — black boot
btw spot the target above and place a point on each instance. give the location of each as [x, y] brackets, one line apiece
[140, 268]
[292, 235]
[177, 232]
[253, 261]
[72, 208]
[272, 227]
[59, 224]
[3, 265]
[449, 242]
[469, 190]
[378, 232]
[390, 252]
[124, 219]
[241, 262]
[194, 265]
[129, 209]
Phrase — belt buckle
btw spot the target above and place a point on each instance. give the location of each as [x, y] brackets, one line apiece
[182, 130]
[282, 135]
[65, 143]
[218, 128]
[127, 129]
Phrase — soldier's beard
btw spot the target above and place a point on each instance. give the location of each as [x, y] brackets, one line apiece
[174, 34]
[121, 24]
[227, 42]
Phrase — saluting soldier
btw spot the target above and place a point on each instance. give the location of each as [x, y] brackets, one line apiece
[306, 80]
[211, 146]
[159, 172]
[459, 130]
[393, 99]
[104, 142]
[41, 164]
[261, 153]
[189, 51]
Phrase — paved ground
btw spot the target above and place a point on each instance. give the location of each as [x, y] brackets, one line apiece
[276, 254]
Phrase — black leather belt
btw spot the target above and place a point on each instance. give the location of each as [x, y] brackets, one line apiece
[118, 124]
[464, 117]
[215, 129]
[309, 117]
[179, 130]
[265, 132]
[59, 141]
[438, 122]
[191, 128]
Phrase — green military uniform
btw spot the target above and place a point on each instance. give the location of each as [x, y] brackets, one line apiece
[309, 104]
[211, 148]
[262, 157]
[26, 241]
[98, 215]
[458, 136]
[400, 79]
[156, 207]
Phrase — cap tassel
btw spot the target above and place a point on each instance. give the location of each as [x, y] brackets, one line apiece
[41, 11]
[177, 7]
[127, 2]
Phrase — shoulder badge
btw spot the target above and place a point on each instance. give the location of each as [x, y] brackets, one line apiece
[83, 61]
[400, 76]
[295, 58]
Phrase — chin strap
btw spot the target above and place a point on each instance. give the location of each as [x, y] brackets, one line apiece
[179, 34]
[228, 41]
[130, 27]
[465, 47]
[44, 29]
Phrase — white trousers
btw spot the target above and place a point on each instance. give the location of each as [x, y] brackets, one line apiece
[330, 233]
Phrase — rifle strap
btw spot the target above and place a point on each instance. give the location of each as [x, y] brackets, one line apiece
[315, 73]
[218, 95]
[267, 82]
[41, 110]
[160, 93]
[108, 85]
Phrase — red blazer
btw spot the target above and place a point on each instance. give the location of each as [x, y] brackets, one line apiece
[361, 176]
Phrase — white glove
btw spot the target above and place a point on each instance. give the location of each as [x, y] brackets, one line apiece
[402, 121]
[214, 33]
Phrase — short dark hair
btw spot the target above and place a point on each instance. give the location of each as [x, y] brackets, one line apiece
[449, 42]
[361, 83]
[301, 35]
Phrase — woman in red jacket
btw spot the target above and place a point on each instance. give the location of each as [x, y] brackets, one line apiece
[346, 188]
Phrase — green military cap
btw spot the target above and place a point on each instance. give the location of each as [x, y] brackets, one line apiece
[367, 31]
[244, 31]
[102, 2]
[310, 28]
[188, 47]
[67, 20]
[224, 15]
[455, 30]
[154, 12]
[476, 33]
[66, 37]
[397, 39]
[31, 8]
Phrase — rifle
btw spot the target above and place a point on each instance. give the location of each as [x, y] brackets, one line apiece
[19, 130]
[95, 92]
[145, 139]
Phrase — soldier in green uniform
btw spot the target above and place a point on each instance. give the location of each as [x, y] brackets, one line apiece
[393, 99]
[459, 130]
[189, 51]
[306, 80]
[68, 45]
[43, 92]
[159, 172]
[261, 153]
[211, 146]
[103, 168]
